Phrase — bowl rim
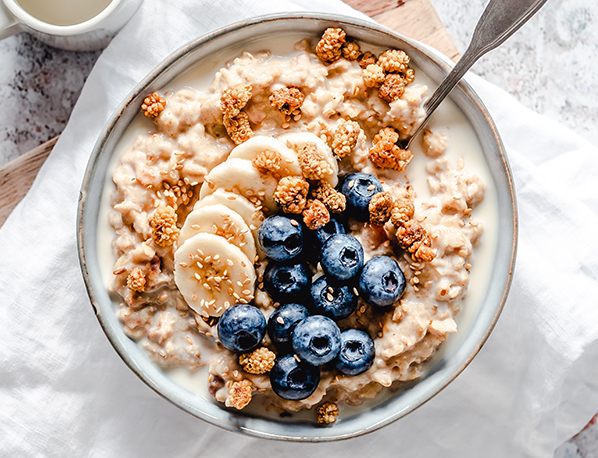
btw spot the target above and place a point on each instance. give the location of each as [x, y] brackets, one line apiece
[141, 88]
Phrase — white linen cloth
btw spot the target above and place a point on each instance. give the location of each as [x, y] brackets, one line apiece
[64, 392]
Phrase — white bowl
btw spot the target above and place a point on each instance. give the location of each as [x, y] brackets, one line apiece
[440, 370]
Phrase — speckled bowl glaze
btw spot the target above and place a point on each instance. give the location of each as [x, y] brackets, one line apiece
[439, 371]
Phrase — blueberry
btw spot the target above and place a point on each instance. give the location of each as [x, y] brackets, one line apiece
[323, 233]
[280, 238]
[382, 282]
[241, 328]
[317, 340]
[287, 283]
[359, 188]
[342, 257]
[294, 380]
[282, 322]
[357, 352]
[336, 302]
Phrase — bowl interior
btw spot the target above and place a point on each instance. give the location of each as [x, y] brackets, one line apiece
[447, 363]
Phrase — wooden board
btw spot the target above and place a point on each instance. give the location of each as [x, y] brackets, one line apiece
[416, 19]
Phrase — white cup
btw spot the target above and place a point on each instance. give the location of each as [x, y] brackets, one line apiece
[93, 33]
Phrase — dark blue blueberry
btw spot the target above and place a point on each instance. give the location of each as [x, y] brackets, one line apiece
[241, 328]
[336, 302]
[359, 188]
[357, 352]
[381, 282]
[317, 340]
[282, 322]
[280, 238]
[323, 233]
[287, 283]
[342, 257]
[294, 380]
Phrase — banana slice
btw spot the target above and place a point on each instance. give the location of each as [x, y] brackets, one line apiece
[296, 141]
[252, 216]
[213, 274]
[254, 146]
[240, 176]
[222, 221]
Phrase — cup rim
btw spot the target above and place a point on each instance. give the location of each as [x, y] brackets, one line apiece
[65, 30]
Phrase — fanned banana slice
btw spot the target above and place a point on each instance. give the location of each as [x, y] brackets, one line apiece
[254, 146]
[222, 221]
[238, 175]
[252, 216]
[297, 140]
[213, 274]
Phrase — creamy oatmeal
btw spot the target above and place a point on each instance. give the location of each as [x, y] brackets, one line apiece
[279, 134]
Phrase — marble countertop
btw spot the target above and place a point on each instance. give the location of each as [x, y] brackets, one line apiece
[548, 66]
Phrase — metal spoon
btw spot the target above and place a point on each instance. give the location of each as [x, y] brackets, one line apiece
[500, 20]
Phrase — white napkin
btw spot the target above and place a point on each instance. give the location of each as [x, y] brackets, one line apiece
[65, 392]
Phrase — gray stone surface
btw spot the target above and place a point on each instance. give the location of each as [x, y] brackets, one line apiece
[39, 86]
[549, 65]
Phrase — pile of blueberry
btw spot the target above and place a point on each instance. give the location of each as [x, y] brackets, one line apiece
[304, 327]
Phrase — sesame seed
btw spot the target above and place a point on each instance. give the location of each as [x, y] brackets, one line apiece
[351, 183]
[246, 292]
[330, 297]
[371, 187]
[240, 284]
[280, 320]
[355, 291]
[297, 358]
[194, 298]
[207, 287]
[197, 276]
[197, 227]
[230, 263]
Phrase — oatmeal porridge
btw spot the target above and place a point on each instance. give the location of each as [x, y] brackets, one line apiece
[237, 211]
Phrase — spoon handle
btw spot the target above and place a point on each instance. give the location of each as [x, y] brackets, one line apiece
[500, 20]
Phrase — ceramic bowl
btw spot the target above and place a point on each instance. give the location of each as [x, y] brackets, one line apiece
[454, 355]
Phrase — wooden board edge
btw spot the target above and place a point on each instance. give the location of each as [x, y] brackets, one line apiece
[18, 175]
